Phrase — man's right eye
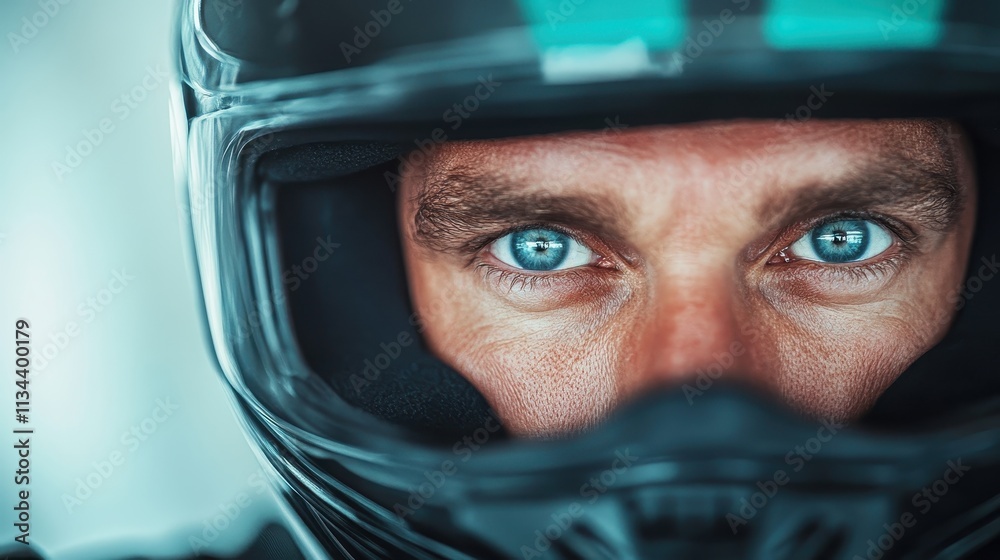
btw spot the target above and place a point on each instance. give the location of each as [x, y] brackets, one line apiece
[542, 250]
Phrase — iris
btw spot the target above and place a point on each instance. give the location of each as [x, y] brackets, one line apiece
[841, 241]
[539, 249]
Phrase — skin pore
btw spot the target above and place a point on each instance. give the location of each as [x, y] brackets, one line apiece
[564, 275]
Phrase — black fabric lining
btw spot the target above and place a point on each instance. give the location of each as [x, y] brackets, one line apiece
[352, 315]
[327, 160]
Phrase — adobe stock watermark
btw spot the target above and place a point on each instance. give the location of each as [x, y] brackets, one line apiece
[364, 34]
[374, 366]
[706, 377]
[695, 44]
[963, 294]
[974, 283]
[455, 116]
[189, 207]
[563, 12]
[901, 14]
[435, 479]
[88, 311]
[612, 127]
[797, 459]
[291, 280]
[817, 98]
[592, 490]
[923, 501]
[255, 148]
[130, 441]
[121, 107]
[228, 512]
[31, 25]
[223, 8]
[748, 167]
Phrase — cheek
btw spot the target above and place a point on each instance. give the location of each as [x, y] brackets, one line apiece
[543, 373]
[543, 380]
[834, 361]
[838, 369]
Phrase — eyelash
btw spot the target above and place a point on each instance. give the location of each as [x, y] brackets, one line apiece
[513, 279]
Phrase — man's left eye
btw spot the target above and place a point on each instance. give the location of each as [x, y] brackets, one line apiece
[842, 241]
[541, 250]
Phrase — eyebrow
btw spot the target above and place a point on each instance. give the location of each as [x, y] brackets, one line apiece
[462, 211]
[929, 194]
[919, 179]
[465, 209]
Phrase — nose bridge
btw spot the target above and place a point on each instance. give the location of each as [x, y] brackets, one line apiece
[694, 326]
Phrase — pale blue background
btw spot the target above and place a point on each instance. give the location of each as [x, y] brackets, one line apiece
[61, 241]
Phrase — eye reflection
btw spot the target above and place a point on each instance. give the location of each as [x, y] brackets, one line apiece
[842, 241]
[541, 249]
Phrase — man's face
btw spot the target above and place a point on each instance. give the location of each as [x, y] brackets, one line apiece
[563, 275]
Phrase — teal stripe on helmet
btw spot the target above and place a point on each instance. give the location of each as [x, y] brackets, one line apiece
[659, 24]
[853, 24]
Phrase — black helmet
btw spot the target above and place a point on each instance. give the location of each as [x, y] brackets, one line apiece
[296, 117]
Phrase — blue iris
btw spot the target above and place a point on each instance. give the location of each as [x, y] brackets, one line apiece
[539, 249]
[841, 241]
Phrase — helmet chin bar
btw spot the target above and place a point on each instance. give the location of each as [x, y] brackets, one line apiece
[729, 475]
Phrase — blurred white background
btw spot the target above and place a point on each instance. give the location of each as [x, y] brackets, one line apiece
[66, 233]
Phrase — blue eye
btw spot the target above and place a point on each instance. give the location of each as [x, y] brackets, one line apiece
[541, 250]
[842, 241]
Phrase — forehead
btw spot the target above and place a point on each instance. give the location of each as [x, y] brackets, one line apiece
[724, 167]
[708, 148]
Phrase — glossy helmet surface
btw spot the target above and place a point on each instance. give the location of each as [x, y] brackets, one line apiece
[293, 119]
